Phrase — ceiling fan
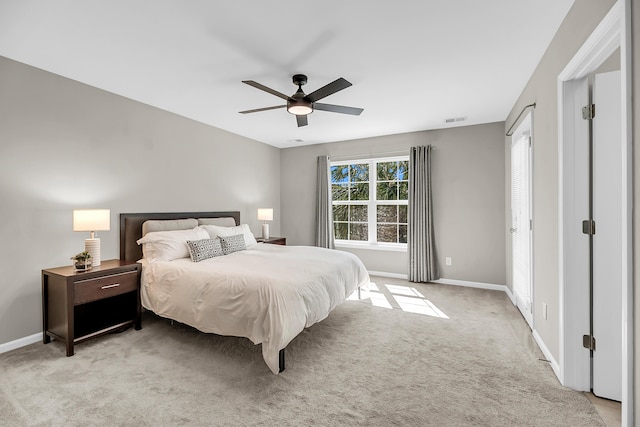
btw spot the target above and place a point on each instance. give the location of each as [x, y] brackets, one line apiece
[300, 104]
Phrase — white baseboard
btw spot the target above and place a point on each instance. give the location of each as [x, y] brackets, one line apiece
[20, 342]
[510, 295]
[554, 364]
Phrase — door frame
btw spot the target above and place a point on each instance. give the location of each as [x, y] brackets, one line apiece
[613, 31]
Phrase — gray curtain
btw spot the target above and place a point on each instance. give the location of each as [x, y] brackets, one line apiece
[324, 209]
[423, 266]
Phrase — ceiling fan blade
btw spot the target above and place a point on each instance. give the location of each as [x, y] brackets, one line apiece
[338, 109]
[261, 109]
[302, 120]
[266, 89]
[327, 90]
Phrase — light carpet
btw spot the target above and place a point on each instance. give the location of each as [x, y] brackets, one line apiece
[405, 355]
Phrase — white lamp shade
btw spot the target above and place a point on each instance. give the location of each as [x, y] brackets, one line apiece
[91, 220]
[265, 214]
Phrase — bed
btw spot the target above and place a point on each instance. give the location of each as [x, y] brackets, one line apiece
[266, 293]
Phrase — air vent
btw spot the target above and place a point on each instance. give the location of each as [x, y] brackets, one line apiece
[296, 141]
[455, 119]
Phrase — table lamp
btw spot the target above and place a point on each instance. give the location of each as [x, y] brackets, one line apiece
[265, 214]
[92, 220]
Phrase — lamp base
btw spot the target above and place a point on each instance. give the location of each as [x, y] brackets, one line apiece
[93, 247]
[265, 231]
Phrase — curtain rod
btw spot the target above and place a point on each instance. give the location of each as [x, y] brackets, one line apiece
[360, 156]
[509, 132]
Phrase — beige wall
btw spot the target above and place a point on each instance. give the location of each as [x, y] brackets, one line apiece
[583, 17]
[65, 145]
[468, 197]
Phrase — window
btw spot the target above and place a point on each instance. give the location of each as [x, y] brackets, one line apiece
[370, 199]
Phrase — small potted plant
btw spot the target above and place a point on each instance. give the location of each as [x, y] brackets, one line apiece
[82, 261]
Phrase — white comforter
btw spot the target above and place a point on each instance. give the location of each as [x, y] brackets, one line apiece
[268, 293]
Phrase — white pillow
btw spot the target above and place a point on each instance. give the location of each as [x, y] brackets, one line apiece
[169, 245]
[152, 225]
[225, 221]
[217, 230]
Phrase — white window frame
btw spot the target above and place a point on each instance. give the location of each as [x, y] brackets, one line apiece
[371, 204]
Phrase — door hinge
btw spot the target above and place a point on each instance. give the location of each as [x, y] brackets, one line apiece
[589, 112]
[589, 226]
[530, 224]
[589, 342]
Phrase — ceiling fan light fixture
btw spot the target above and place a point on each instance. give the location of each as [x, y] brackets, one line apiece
[299, 108]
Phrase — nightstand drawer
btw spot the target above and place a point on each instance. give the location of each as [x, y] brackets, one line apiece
[104, 287]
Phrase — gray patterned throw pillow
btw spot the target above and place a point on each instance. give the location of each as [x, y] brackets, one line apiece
[232, 244]
[204, 249]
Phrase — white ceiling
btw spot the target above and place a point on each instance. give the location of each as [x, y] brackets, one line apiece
[413, 63]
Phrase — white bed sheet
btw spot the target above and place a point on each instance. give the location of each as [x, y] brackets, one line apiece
[268, 293]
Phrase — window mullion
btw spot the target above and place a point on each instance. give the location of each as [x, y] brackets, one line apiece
[373, 182]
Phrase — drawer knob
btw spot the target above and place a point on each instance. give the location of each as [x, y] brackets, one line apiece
[115, 285]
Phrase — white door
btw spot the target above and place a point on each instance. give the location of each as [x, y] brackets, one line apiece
[607, 241]
[521, 226]
[575, 252]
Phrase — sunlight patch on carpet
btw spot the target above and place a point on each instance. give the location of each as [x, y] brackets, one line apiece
[405, 298]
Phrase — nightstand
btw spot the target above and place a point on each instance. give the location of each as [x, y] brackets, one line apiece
[79, 305]
[273, 240]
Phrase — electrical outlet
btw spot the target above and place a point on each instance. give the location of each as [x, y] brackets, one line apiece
[544, 310]
[447, 260]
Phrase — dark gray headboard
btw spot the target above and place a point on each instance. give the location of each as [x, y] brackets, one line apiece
[131, 227]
